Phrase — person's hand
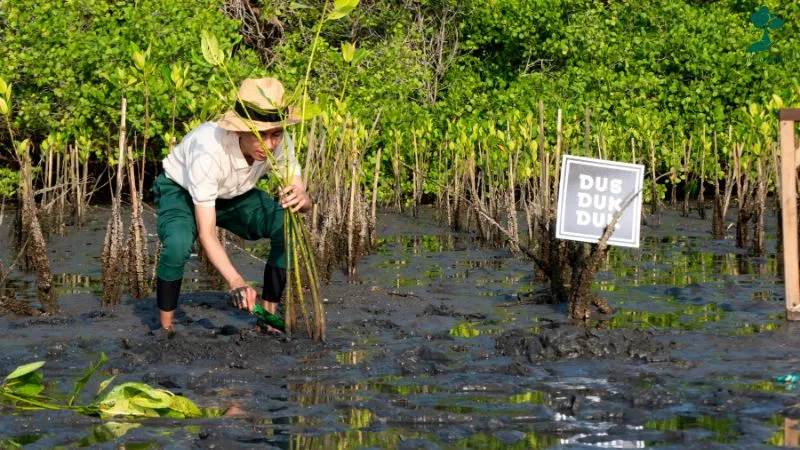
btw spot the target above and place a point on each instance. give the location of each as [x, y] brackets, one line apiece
[295, 198]
[243, 295]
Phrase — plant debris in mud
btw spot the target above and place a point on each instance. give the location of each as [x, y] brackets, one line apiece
[566, 342]
[23, 388]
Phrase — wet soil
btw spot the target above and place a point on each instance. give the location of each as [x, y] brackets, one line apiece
[433, 346]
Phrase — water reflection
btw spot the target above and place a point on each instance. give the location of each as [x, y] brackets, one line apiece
[352, 357]
[723, 428]
[316, 393]
[20, 441]
[418, 244]
[677, 261]
[529, 441]
[354, 439]
[687, 318]
[788, 435]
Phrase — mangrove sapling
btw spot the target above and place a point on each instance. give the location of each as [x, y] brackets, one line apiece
[705, 147]
[722, 200]
[32, 243]
[398, 188]
[775, 163]
[136, 255]
[687, 158]
[760, 208]
[745, 192]
[36, 249]
[113, 253]
[373, 238]
[654, 201]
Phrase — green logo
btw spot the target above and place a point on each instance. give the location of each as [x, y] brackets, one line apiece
[764, 20]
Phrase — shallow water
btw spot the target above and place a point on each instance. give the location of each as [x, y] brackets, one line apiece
[411, 359]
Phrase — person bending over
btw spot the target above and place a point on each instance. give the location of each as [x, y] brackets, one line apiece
[209, 180]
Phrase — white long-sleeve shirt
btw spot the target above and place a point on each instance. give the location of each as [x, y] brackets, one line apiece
[210, 165]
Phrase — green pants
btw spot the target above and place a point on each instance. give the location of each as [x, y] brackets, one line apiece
[252, 215]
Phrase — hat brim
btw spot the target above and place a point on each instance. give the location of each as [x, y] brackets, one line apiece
[232, 122]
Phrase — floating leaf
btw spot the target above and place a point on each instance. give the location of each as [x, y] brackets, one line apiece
[186, 407]
[154, 398]
[171, 414]
[27, 368]
[124, 407]
[212, 412]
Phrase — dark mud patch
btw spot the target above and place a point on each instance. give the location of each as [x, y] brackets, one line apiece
[447, 366]
[442, 309]
[570, 342]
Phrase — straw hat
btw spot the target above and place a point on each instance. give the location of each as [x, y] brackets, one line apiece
[261, 100]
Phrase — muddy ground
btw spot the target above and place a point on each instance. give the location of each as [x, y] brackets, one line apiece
[431, 348]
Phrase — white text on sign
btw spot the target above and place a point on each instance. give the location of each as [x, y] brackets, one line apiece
[611, 202]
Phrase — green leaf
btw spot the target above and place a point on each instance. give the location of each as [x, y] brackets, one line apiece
[348, 51]
[27, 368]
[3, 107]
[311, 110]
[79, 385]
[342, 8]
[139, 60]
[124, 407]
[125, 391]
[778, 101]
[359, 56]
[298, 5]
[213, 412]
[154, 398]
[3, 86]
[186, 407]
[104, 385]
[28, 389]
[339, 4]
[172, 414]
[211, 52]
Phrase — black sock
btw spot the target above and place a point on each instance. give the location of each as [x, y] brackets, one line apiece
[274, 283]
[167, 293]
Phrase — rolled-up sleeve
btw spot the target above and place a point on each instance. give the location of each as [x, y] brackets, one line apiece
[204, 174]
[285, 161]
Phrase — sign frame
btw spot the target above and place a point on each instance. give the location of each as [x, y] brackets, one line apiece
[635, 203]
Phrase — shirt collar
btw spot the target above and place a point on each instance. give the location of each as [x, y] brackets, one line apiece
[230, 142]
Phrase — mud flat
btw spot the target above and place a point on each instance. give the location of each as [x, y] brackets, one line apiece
[427, 349]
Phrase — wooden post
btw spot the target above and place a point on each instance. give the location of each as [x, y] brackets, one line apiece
[788, 117]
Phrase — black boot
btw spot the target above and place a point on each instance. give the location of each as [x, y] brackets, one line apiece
[167, 293]
[274, 283]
